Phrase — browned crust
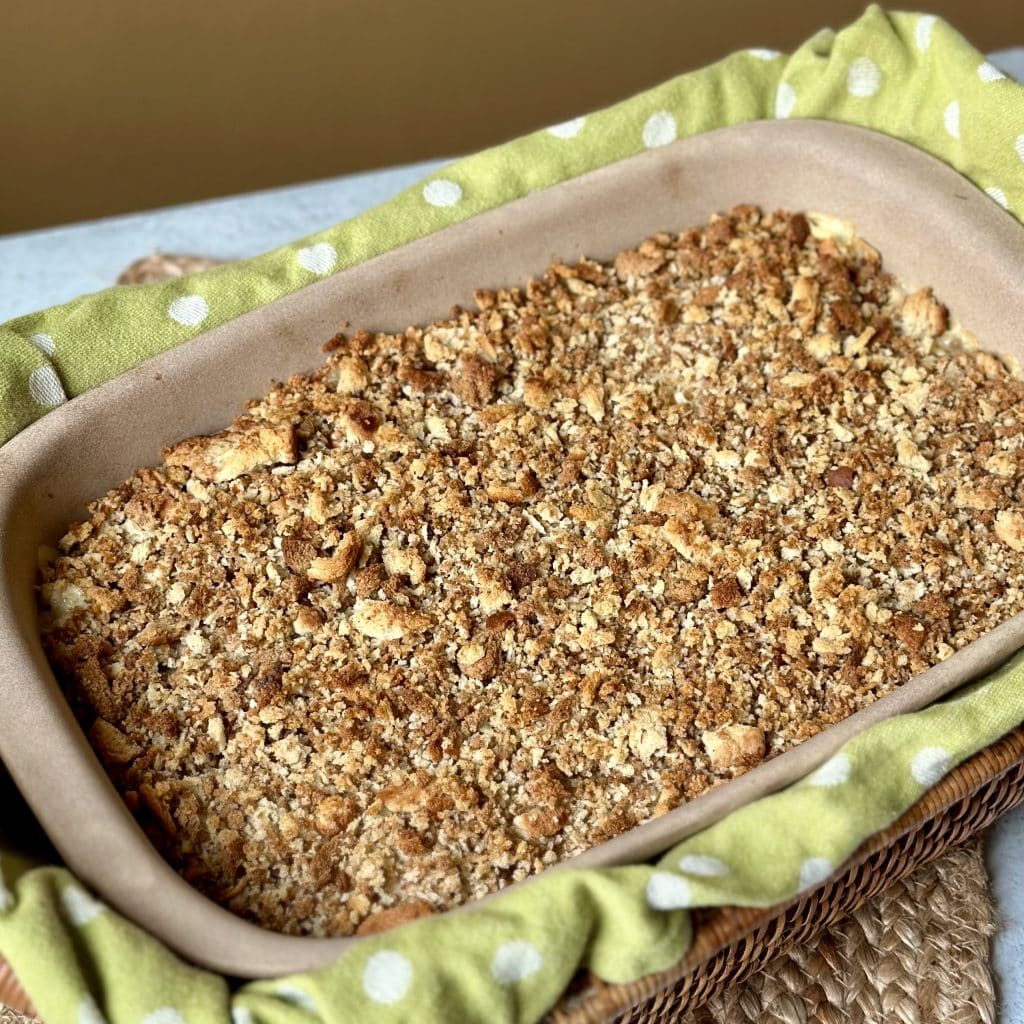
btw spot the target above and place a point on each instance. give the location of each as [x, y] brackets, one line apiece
[480, 594]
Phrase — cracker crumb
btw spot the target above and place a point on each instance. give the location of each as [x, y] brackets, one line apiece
[230, 454]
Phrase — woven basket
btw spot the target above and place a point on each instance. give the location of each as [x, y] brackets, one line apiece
[731, 943]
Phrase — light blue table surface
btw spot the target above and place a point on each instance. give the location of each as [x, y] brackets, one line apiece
[42, 268]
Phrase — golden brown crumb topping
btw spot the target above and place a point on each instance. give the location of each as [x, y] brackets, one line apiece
[476, 596]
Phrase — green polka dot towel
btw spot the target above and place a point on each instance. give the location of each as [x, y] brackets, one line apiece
[908, 75]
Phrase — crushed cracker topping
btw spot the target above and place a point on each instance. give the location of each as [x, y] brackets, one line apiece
[481, 594]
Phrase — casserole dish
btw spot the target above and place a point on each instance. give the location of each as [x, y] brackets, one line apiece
[910, 206]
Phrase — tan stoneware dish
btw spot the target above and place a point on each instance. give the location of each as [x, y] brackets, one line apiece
[932, 226]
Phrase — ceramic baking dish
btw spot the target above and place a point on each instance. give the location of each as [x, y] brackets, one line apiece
[931, 225]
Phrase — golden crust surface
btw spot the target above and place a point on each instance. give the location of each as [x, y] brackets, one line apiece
[478, 595]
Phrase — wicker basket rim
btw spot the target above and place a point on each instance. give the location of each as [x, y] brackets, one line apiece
[728, 926]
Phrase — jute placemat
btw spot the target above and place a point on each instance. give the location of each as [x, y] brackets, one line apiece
[919, 953]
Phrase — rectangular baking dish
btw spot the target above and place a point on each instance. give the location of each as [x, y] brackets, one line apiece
[931, 224]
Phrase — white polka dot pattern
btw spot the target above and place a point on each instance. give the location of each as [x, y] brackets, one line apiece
[318, 259]
[929, 765]
[785, 100]
[165, 1015]
[6, 896]
[988, 72]
[515, 961]
[79, 907]
[45, 387]
[951, 119]
[89, 1012]
[834, 772]
[189, 310]
[44, 343]
[241, 1015]
[295, 995]
[387, 977]
[666, 891]
[997, 194]
[442, 192]
[813, 871]
[923, 31]
[1019, 146]
[703, 865]
[864, 78]
[567, 129]
[762, 54]
[659, 130]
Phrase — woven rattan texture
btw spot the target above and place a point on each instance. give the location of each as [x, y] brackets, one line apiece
[9, 1016]
[916, 954]
[12, 998]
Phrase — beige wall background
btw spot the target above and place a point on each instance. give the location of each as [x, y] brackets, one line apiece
[108, 106]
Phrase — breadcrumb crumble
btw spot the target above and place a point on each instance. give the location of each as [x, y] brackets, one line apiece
[477, 596]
